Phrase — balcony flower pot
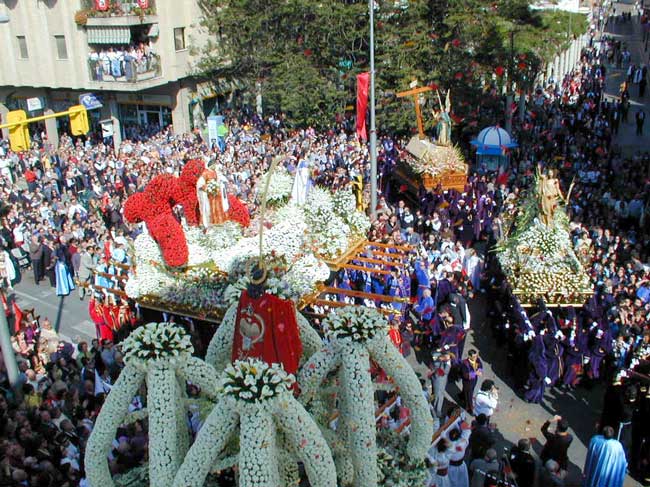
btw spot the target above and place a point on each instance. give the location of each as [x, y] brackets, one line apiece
[81, 17]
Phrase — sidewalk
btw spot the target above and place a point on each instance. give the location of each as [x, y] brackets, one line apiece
[632, 34]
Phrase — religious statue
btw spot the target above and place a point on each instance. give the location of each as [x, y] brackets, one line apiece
[549, 194]
[302, 183]
[213, 198]
[443, 127]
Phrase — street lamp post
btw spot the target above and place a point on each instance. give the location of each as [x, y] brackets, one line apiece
[373, 129]
[509, 94]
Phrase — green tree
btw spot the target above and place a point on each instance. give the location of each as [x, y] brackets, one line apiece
[306, 54]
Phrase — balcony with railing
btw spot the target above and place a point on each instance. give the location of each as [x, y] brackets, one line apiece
[123, 69]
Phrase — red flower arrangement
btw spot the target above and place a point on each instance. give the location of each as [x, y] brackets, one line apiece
[237, 211]
[186, 194]
[154, 206]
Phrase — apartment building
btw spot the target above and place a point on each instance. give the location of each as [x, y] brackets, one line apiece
[135, 57]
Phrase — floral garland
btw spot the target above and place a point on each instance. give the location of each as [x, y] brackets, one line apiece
[110, 418]
[157, 342]
[355, 323]
[254, 381]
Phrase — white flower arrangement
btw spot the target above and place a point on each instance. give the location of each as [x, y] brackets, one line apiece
[213, 187]
[156, 343]
[356, 335]
[210, 441]
[255, 381]
[355, 323]
[279, 189]
[396, 468]
[343, 202]
[357, 410]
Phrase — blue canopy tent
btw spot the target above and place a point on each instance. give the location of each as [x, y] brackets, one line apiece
[493, 146]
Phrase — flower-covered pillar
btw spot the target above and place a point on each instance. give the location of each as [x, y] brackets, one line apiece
[112, 415]
[357, 335]
[160, 355]
[259, 397]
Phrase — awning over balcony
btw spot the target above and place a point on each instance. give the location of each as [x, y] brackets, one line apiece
[109, 35]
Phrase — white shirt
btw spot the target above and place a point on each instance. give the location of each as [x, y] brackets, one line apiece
[484, 403]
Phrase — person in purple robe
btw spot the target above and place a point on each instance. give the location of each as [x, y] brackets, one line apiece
[536, 378]
[443, 289]
[553, 354]
[452, 339]
[575, 350]
[599, 347]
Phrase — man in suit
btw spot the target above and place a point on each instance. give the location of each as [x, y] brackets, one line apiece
[36, 256]
[48, 262]
[558, 442]
[640, 120]
[86, 268]
[471, 369]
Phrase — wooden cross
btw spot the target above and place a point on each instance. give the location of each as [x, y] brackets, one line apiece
[418, 113]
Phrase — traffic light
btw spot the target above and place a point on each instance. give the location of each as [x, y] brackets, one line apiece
[78, 120]
[18, 134]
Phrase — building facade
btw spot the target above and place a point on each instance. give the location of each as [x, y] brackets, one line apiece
[135, 56]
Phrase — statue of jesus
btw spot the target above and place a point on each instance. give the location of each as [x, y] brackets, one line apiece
[213, 200]
[549, 195]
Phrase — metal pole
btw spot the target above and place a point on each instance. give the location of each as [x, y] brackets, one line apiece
[8, 355]
[373, 129]
[509, 97]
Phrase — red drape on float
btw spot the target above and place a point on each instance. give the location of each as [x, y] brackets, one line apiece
[363, 81]
[267, 329]
[102, 4]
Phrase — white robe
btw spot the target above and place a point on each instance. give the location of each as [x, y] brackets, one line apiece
[301, 184]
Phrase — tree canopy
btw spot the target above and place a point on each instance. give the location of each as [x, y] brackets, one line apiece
[306, 53]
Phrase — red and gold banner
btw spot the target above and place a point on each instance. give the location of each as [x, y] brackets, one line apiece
[102, 5]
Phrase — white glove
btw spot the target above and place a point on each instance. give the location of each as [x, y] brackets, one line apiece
[548, 381]
[585, 360]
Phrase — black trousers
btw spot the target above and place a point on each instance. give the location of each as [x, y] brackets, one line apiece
[37, 267]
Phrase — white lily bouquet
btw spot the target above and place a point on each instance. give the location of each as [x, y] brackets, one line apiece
[158, 342]
[356, 323]
[254, 381]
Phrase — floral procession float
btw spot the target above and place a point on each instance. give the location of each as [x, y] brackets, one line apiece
[270, 382]
[537, 255]
[439, 163]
